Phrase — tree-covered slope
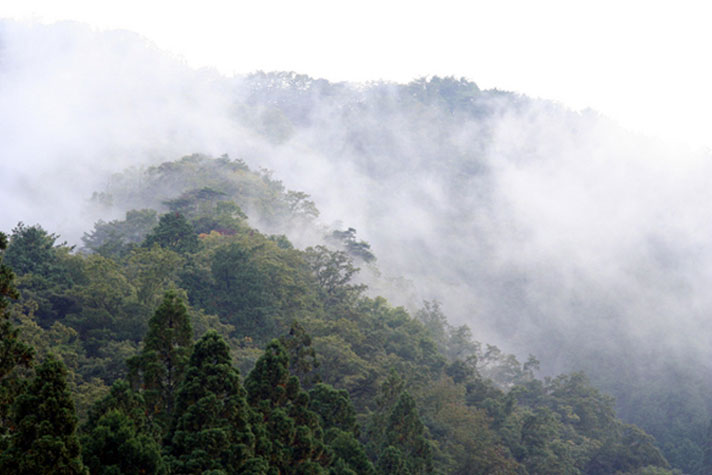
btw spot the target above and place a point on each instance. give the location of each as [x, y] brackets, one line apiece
[200, 343]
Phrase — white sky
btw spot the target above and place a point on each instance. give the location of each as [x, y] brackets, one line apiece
[645, 64]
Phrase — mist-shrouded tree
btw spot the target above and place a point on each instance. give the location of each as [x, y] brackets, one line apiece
[116, 238]
[357, 249]
[211, 428]
[31, 250]
[159, 368]
[333, 271]
[44, 438]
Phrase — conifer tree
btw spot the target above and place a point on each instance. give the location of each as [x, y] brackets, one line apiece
[211, 429]
[44, 439]
[159, 368]
[118, 437]
[13, 352]
[405, 431]
[303, 362]
[115, 446]
[292, 440]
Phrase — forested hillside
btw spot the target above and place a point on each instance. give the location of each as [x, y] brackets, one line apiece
[486, 226]
[180, 339]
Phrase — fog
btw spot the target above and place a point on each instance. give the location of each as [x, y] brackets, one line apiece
[546, 230]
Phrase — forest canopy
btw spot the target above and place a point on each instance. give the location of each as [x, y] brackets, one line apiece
[181, 339]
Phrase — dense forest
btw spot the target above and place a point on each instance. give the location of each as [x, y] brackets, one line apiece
[461, 280]
[181, 339]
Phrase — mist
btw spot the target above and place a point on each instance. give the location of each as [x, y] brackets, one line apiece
[546, 230]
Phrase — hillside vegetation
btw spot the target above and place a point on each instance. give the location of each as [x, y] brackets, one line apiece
[181, 339]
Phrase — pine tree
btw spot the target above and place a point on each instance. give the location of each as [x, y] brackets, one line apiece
[44, 439]
[159, 368]
[211, 429]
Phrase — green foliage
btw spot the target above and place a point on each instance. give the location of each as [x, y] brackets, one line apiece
[303, 362]
[152, 271]
[250, 283]
[333, 271]
[113, 446]
[31, 251]
[427, 396]
[116, 238]
[43, 439]
[292, 440]
[348, 452]
[405, 431]
[159, 368]
[13, 352]
[175, 233]
[356, 249]
[45, 270]
[211, 428]
[333, 407]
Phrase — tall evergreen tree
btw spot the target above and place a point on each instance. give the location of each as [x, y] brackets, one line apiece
[118, 436]
[294, 438]
[44, 439]
[114, 445]
[211, 429]
[302, 357]
[159, 368]
[13, 352]
[405, 431]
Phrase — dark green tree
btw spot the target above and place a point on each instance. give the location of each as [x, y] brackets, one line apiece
[31, 250]
[242, 292]
[159, 368]
[293, 439]
[173, 232]
[118, 437]
[406, 432]
[333, 407]
[115, 446]
[302, 357]
[123, 399]
[44, 438]
[45, 270]
[116, 238]
[338, 418]
[349, 454]
[211, 428]
[333, 271]
[13, 352]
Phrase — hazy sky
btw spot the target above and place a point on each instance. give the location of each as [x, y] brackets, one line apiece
[643, 63]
